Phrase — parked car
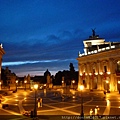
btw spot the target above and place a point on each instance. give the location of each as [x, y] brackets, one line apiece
[5, 93]
[27, 113]
[41, 87]
[5, 106]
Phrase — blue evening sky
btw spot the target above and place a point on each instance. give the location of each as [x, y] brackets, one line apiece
[48, 34]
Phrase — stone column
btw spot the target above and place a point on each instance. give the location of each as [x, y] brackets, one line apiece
[0, 67]
[99, 84]
[88, 77]
[112, 79]
[79, 77]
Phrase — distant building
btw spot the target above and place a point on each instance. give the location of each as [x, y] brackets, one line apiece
[2, 52]
[48, 79]
[99, 65]
[10, 79]
[39, 79]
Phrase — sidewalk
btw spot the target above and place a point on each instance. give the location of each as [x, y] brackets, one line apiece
[101, 91]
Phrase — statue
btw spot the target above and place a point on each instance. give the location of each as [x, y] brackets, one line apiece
[93, 31]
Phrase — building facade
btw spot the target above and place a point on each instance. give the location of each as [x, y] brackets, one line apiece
[2, 52]
[99, 65]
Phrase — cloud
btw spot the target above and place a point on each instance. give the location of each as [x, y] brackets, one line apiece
[39, 67]
[18, 63]
[32, 62]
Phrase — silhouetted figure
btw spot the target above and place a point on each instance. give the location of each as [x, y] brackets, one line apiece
[93, 31]
[40, 102]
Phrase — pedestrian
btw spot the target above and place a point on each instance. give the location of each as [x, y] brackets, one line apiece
[104, 92]
[40, 102]
[91, 114]
[96, 111]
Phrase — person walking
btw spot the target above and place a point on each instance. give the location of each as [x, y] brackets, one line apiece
[91, 114]
[40, 102]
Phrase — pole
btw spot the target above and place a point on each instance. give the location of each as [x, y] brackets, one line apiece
[82, 114]
[16, 87]
[35, 110]
[0, 85]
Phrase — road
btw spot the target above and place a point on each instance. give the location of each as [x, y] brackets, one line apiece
[53, 104]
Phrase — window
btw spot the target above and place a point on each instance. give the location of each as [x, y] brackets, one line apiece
[93, 71]
[118, 66]
[105, 69]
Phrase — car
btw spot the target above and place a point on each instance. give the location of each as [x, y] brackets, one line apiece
[27, 113]
[41, 87]
[5, 93]
[5, 106]
[14, 91]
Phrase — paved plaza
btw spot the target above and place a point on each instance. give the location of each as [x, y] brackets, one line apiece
[61, 106]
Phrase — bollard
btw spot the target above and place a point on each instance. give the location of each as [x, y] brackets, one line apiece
[31, 115]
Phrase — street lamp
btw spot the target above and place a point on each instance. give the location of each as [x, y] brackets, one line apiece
[118, 82]
[107, 81]
[16, 84]
[82, 113]
[63, 83]
[35, 109]
[73, 82]
[25, 83]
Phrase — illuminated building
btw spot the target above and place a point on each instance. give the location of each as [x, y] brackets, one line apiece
[99, 65]
[2, 52]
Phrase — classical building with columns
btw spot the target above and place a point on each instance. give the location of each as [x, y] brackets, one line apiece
[99, 65]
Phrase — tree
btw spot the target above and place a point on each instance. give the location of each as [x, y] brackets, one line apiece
[58, 78]
[71, 67]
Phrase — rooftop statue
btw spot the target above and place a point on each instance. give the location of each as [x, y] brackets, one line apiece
[93, 31]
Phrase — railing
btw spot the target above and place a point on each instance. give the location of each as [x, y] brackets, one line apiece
[97, 51]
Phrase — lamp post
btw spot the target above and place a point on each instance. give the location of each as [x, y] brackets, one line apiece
[107, 85]
[25, 83]
[0, 84]
[73, 82]
[82, 113]
[16, 84]
[35, 109]
[62, 83]
[119, 86]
